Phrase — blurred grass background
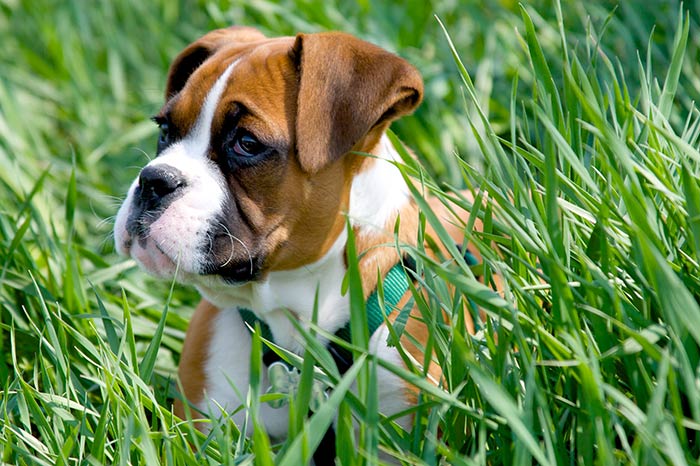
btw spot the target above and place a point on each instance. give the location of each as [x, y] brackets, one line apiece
[583, 129]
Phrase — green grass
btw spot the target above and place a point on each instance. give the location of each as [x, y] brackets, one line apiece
[574, 122]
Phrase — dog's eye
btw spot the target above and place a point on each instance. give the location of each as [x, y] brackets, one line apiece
[245, 145]
[164, 136]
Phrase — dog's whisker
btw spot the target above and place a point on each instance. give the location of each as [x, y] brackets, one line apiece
[106, 220]
[230, 237]
[233, 237]
[109, 237]
[209, 238]
[144, 153]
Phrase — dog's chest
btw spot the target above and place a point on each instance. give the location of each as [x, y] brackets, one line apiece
[295, 293]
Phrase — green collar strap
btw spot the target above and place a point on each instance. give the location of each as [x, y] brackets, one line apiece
[394, 286]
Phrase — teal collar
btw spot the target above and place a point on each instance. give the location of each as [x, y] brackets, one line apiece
[394, 287]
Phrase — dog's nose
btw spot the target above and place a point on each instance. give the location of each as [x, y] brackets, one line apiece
[158, 182]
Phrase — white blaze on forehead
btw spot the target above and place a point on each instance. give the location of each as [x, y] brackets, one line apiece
[196, 144]
[200, 135]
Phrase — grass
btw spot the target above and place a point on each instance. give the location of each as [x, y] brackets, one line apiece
[574, 122]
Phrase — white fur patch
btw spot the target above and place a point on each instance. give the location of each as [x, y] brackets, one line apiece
[227, 373]
[179, 233]
[379, 192]
[391, 388]
[227, 368]
[295, 291]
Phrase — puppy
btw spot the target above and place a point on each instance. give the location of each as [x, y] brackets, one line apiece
[257, 171]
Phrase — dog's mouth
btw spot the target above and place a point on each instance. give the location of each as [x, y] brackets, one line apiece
[172, 245]
[138, 230]
[157, 261]
[231, 253]
[236, 272]
[150, 256]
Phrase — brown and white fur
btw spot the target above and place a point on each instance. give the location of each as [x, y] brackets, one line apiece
[266, 232]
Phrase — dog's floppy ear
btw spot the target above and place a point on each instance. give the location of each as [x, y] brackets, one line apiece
[197, 52]
[346, 88]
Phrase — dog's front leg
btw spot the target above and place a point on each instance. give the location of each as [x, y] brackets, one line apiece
[215, 371]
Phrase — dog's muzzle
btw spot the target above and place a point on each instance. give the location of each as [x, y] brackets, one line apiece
[158, 187]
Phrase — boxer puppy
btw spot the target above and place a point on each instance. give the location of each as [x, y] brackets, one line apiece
[257, 172]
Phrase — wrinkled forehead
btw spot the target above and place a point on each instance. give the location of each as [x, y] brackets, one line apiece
[261, 80]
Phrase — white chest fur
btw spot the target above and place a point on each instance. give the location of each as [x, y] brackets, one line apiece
[294, 292]
[376, 195]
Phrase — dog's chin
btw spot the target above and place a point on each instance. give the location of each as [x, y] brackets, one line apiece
[236, 272]
[153, 260]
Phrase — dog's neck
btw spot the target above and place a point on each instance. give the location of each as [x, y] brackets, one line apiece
[378, 195]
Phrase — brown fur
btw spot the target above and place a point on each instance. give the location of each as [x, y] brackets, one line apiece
[194, 356]
[383, 258]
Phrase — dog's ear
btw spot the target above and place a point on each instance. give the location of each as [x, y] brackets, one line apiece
[346, 88]
[197, 52]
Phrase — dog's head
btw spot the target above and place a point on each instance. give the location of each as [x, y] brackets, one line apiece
[252, 171]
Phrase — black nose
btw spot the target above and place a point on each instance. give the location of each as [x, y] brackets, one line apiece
[157, 183]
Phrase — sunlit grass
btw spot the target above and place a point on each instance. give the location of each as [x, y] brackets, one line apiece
[578, 136]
